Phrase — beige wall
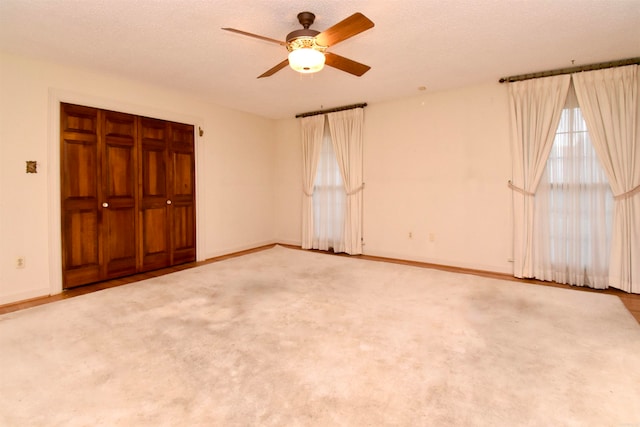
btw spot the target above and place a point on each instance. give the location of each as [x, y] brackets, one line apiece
[435, 166]
[235, 174]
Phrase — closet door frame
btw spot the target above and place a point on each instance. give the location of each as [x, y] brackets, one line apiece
[58, 96]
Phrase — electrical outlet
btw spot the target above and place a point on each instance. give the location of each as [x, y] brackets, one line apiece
[20, 262]
[411, 234]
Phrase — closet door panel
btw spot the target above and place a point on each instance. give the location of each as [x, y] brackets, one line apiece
[120, 248]
[119, 202]
[183, 230]
[80, 164]
[184, 245]
[80, 194]
[154, 215]
[81, 254]
[154, 171]
[183, 174]
[155, 244]
[127, 194]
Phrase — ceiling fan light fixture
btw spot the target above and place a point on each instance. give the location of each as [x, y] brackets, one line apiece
[306, 60]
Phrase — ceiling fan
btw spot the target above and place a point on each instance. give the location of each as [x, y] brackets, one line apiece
[308, 48]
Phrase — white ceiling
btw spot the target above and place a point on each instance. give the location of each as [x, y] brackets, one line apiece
[439, 44]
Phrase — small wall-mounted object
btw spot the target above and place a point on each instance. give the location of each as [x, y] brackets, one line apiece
[200, 131]
[32, 166]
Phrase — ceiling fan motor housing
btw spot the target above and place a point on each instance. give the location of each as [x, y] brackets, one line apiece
[306, 33]
[304, 38]
[301, 39]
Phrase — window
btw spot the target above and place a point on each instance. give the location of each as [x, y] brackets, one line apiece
[574, 207]
[329, 199]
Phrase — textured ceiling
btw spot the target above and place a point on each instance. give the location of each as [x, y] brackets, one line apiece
[437, 44]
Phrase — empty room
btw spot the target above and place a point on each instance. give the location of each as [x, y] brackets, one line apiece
[320, 213]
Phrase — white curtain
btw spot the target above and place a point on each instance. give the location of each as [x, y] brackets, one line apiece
[328, 200]
[536, 106]
[609, 101]
[312, 129]
[346, 134]
[573, 208]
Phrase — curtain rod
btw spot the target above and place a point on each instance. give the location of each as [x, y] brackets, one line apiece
[331, 110]
[578, 69]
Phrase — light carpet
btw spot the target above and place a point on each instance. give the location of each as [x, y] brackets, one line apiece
[284, 337]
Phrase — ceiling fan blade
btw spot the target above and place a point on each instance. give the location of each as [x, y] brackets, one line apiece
[355, 24]
[244, 33]
[275, 69]
[345, 64]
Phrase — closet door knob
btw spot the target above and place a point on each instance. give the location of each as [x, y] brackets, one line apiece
[105, 205]
[168, 202]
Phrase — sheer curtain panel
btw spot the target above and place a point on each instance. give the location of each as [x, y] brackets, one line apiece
[346, 134]
[573, 208]
[328, 200]
[312, 129]
[609, 101]
[535, 106]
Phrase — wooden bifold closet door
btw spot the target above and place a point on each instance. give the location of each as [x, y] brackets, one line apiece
[127, 194]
